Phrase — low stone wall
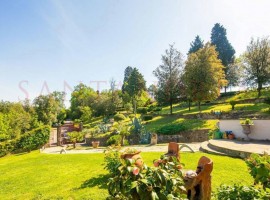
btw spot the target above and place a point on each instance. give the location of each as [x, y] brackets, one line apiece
[185, 137]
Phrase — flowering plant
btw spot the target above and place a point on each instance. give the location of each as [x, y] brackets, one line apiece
[131, 182]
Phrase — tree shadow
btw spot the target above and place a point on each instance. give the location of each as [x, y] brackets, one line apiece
[99, 181]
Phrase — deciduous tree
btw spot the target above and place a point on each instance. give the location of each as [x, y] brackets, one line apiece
[203, 75]
[256, 61]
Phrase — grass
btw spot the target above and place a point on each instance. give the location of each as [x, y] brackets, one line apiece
[191, 124]
[226, 107]
[81, 176]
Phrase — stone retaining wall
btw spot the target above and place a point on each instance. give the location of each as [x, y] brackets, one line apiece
[102, 141]
[185, 137]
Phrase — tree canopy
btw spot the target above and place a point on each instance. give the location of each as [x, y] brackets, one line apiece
[225, 50]
[256, 61]
[203, 74]
[195, 45]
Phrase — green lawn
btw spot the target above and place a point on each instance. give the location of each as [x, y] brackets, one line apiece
[191, 124]
[261, 108]
[81, 176]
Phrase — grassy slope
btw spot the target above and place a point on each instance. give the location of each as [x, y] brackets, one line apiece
[191, 124]
[81, 176]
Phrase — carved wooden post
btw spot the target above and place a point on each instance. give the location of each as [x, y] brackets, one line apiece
[199, 184]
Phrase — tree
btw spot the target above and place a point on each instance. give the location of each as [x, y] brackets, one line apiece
[256, 61]
[81, 96]
[135, 86]
[49, 108]
[75, 137]
[168, 75]
[225, 50]
[127, 73]
[203, 75]
[196, 45]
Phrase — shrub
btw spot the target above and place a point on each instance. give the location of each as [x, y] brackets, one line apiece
[131, 116]
[233, 103]
[225, 192]
[147, 117]
[171, 129]
[7, 147]
[34, 139]
[259, 167]
[112, 159]
[75, 137]
[114, 140]
[142, 110]
[129, 181]
[119, 117]
[157, 109]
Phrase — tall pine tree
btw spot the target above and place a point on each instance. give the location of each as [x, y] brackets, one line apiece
[168, 75]
[224, 48]
[196, 45]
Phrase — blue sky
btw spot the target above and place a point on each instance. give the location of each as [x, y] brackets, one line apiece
[55, 44]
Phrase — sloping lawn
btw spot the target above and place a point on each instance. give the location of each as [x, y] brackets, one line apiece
[81, 176]
[190, 124]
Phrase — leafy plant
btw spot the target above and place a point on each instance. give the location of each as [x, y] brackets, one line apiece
[142, 110]
[112, 159]
[34, 139]
[147, 117]
[171, 129]
[119, 117]
[131, 182]
[260, 168]
[247, 121]
[114, 140]
[75, 137]
[240, 192]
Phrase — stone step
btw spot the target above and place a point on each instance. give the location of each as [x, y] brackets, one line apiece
[227, 149]
[205, 148]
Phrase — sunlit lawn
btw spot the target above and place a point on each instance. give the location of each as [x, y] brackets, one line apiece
[226, 107]
[81, 176]
[190, 124]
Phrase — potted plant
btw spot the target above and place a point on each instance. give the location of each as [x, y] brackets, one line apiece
[133, 154]
[246, 125]
[95, 143]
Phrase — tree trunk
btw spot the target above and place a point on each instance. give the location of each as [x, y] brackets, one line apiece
[189, 105]
[122, 140]
[225, 89]
[74, 145]
[171, 108]
[259, 89]
[199, 103]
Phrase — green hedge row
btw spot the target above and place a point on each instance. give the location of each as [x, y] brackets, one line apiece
[31, 140]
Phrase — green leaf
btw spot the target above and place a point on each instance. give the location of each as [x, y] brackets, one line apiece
[134, 184]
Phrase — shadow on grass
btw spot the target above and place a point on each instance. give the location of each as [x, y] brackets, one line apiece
[99, 181]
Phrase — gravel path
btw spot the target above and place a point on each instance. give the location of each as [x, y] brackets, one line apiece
[142, 148]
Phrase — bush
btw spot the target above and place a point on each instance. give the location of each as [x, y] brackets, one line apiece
[7, 147]
[147, 117]
[259, 167]
[131, 116]
[34, 139]
[112, 159]
[119, 117]
[114, 140]
[225, 192]
[142, 110]
[157, 109]
[171, 129]
[233, 103]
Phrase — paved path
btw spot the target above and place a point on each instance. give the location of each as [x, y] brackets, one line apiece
[142, 148]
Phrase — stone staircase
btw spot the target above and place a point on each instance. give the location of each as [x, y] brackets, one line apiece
[234, 148]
